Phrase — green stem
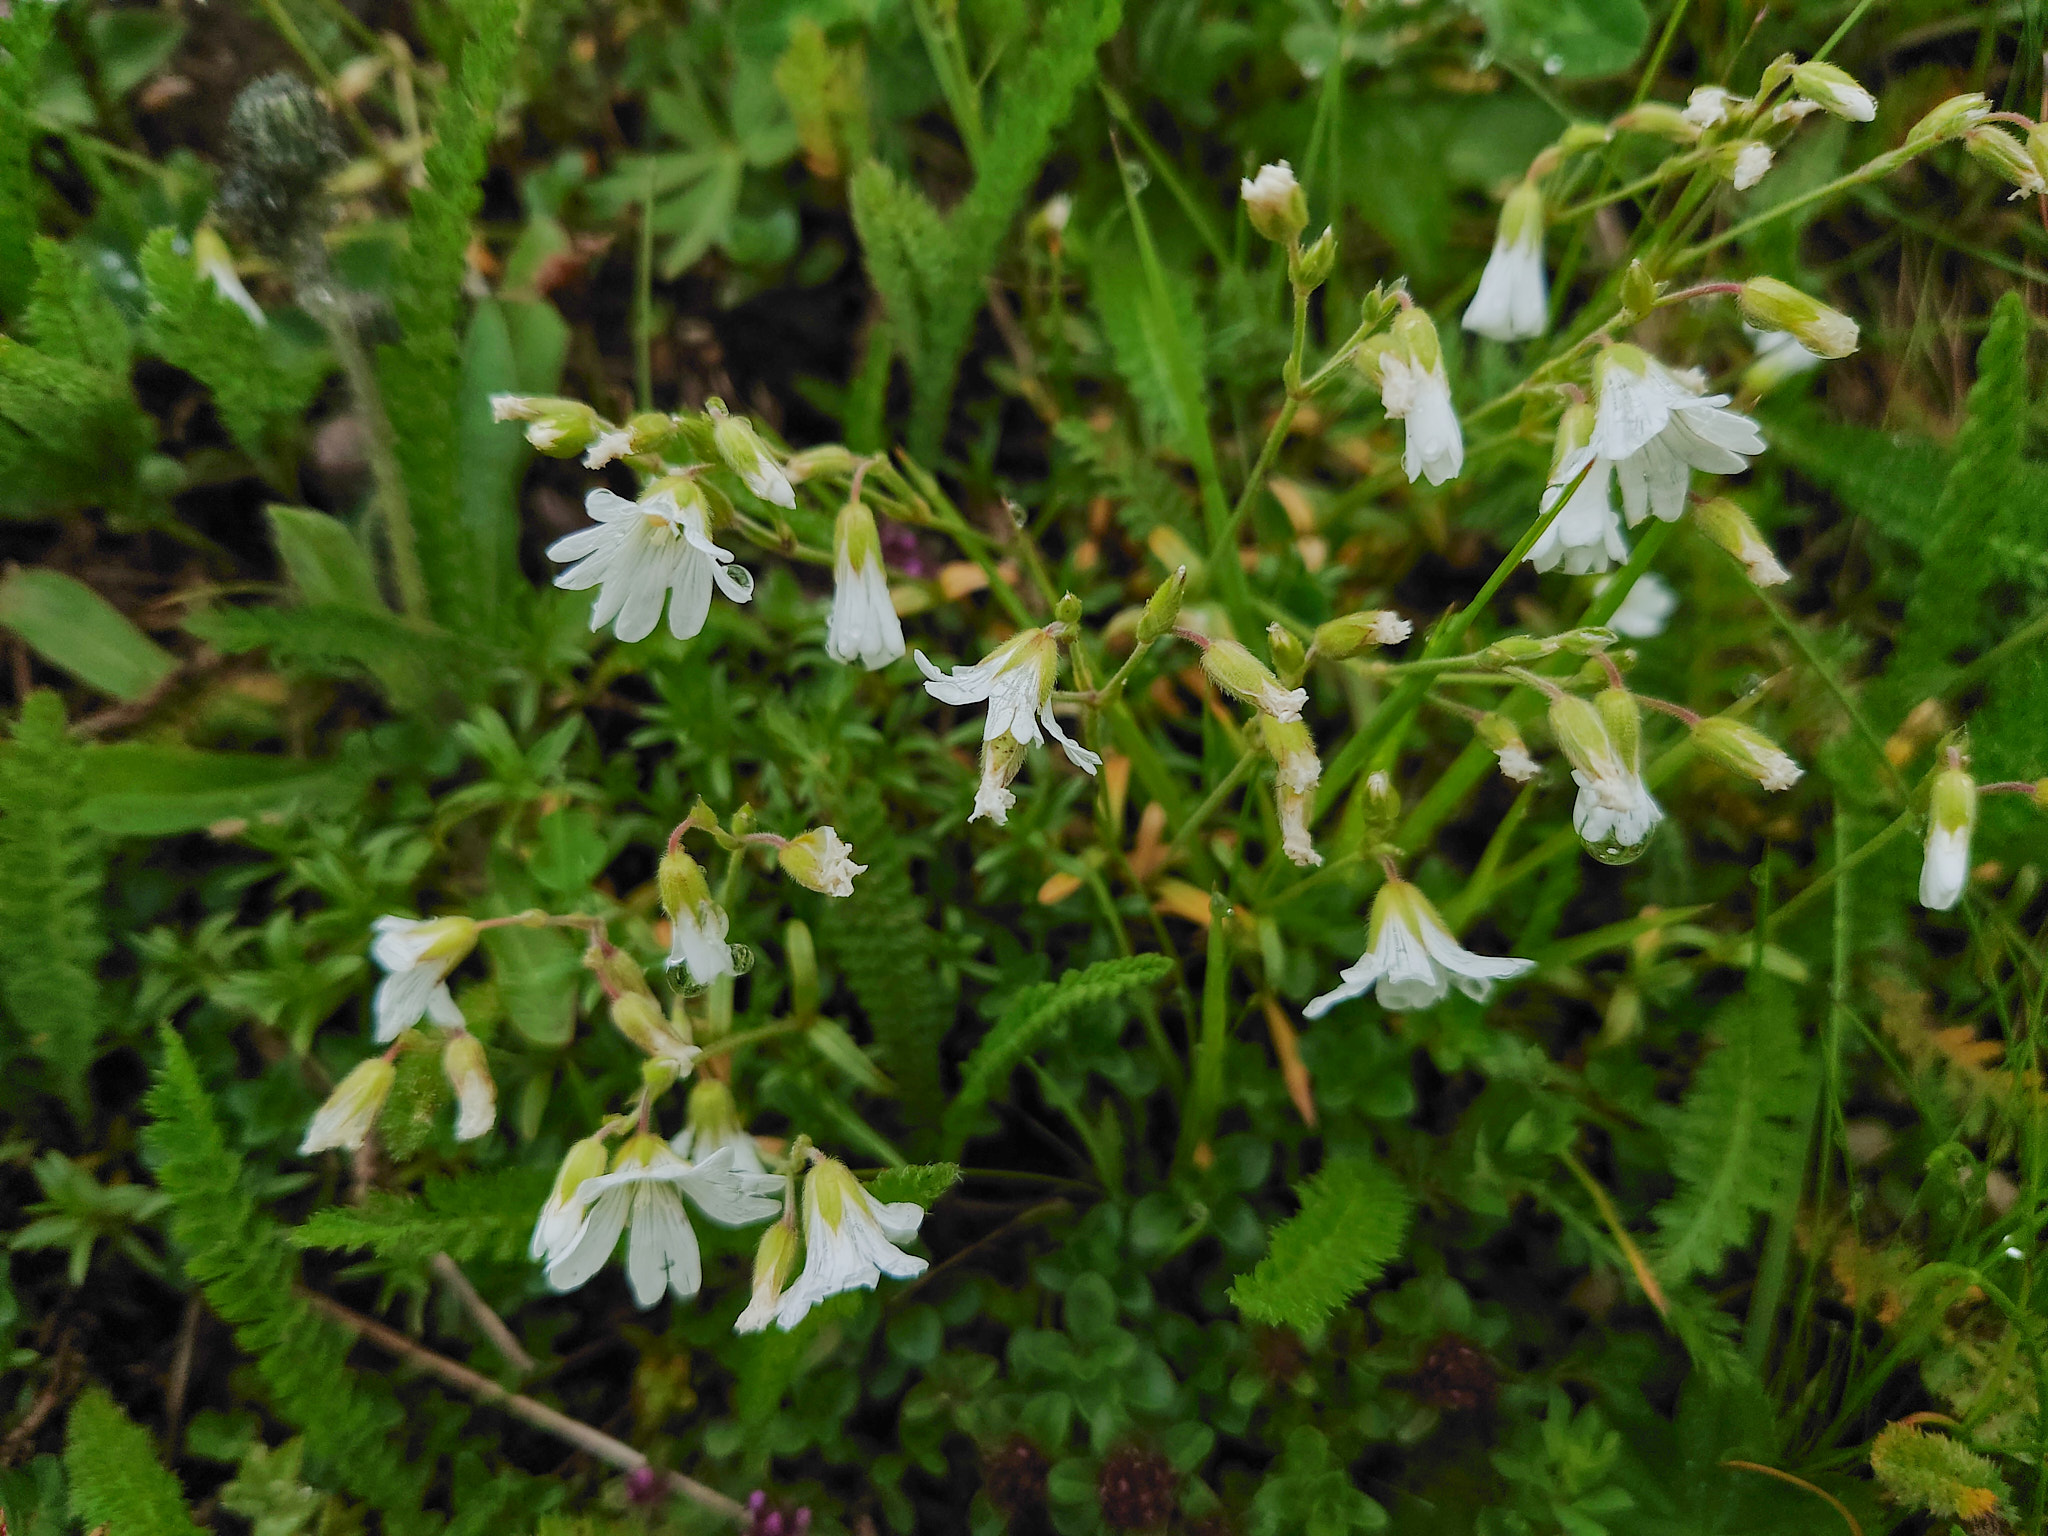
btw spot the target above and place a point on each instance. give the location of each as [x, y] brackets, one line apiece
[1796, 633]
[1874, 170]
[1206, 1096]
[392, 504]
[643, 297]
[1615, 593]
[1183, 839]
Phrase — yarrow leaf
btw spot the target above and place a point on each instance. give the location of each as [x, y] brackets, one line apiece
[1351, 1225]
[117, 1483]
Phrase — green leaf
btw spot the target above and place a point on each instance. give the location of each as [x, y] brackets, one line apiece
[71, 435]
[52, 879]
[921, 1182]
[69, 314]
[511, 348]
[538, 971]
[72, 627]
[1352, 1222]
[1738, 1135]
[569, 850]
[1568, 39]
[117, 1483]
[321, 556]
[24, 34]
[137, 789]
[1029, 1022]
[472, 1217]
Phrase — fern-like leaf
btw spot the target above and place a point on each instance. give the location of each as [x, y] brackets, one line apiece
[1352, 1222]
[921, 1182]
[69, 314]
[1029, 1022]
[24, 34]
[1739, 1135]
[52, 871]
[117, 1483]
[478, 1217]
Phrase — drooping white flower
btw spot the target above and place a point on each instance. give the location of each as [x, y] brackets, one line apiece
[1745, 750]
[639, 552]
[639, 1018]
[1748, 167]
[740, 446]
[642, 1197]
[863, 626]
[713, 1125]
[469, 1074]
[1615, 812]
[1836, 90]
[216, 264]
[1778, 306]
[1708, 106]
[1585, 536]
[1297, 771]
[351, 1109]
[1016, 679]
[1951, 818]
[1510, 752]
[1417, 392]
[819, 860]
[1646, 610]
[697, 924]
[1250, 681]
[417, 954]
[773, 1261]
[849, 1240]
[562, 1213]
[1657, 427]
[1275, 203]
[1729, 526]
[1513, 299]
[1413, 960]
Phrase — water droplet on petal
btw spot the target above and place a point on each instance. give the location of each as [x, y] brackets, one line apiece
[683, 983]
[1613, 851]
[742, 958]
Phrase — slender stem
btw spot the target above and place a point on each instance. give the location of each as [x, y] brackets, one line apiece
[392, 503]
[643, 297]
[1184, 838]
[479, 1310]
[726, 1043]
[1608, 602]
[1206, 1094]
[1612, 1218]
[1796, 633]
[1874, 170]
[583, 1436]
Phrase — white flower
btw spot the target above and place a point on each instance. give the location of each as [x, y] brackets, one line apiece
[1389, 628]
[1016, 679]
[1586, 535]
[1793, 111]
[1836, 90]
[1646, 610]
[1513, 301]
[607, 446]
[1615, 812]
[1515, 762]
[1951, 818]
[773, 1261]
[741, 448]
[1751, 161]
[1421, 397]
[863, 626]
[643, 1197]
[1708, 106]
[1297, 771]
[820, 861]
[1000, 760]
[1275, 203]
[1413, 960]
[849, 1240]
[469, 1074]
[562, 1213]
[696, 941]
[713, 1125]
[351, 1109]
[418, 954]
[641, 551]
[1656, 427]
[1058, 209]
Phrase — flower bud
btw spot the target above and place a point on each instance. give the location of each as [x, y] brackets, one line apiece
[1729, 526]
[800, 960]
[740, 447]
[1584, 136]
[658, 1074]
[1414, 337]
[1998, 149]
[1352, 633]
[1951, 818]
[820, 861]
[617, 971]
[1382, 807]
[1275, 203]
[1835, 90]
[1638, 294]
[815, 463]
[469, 1074]
[1311, 269]
[1774, 306]
[1517, 650]
[639, 1018]
[1745, 750]
[1239, 673]
[681, 882]
[1661, 120]
[1593, 640]
[1745, 163]
[1162, 608]
[1623, 718]
[1067, 610]
[1504, 739]
[773, 1261]
[351, 1109]
[1290, 660]
[561, 429]
[1949, 120]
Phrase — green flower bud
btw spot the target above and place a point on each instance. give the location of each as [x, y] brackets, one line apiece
[800, 960]
[561, 429]
[1729, 526]
[1516, 651]
[1311, 269]
[1290, 660]
[658, 1074]
[1998, 149]
[1414, 336]
[1949, 120]
[619, 972]
[1239, 673]
[1580, 732]
[1623, 718]
[813, 463]
[1661, 120]
[1583, 136]
[1834, 89]
[1162, 608]
[1382, 807]
[1347, 636]
[1638, 293]
[1774, 306]
[1067, 610]
[680, 879]
[1590, 641]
